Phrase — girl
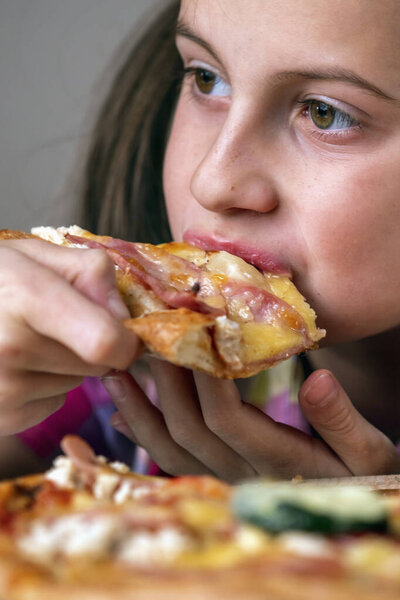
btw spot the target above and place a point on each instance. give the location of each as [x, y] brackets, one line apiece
[282, 137]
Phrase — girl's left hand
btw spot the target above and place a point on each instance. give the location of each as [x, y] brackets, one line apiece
[204, 427]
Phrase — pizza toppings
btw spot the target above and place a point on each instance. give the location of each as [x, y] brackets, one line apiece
[176, 281]
[306, 544]
[249, 303]
[99, 535]
[133, 519]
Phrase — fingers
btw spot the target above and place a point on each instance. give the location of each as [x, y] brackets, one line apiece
[90, 271]
[17, 389]
[273, 449]
[58, 309]
[22, 348]
[148, 426]
[364, 449]
[50, 305]
[19, 419]
[184, 420]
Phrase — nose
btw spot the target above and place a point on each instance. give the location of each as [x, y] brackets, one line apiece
[236, 171]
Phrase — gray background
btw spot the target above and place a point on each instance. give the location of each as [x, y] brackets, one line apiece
[52, 56]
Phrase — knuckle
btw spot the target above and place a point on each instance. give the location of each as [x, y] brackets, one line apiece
[378, 453]
[182, 434]
[98, 262]
[100, 345]
[12, 289]
[217, 422]
[285, 466]
[10, 352]
[366, 451]
[341, 421]
[169, 464]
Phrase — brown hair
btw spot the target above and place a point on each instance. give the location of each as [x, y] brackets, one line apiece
[121, 192]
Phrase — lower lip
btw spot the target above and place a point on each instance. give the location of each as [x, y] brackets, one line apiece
[265, 263]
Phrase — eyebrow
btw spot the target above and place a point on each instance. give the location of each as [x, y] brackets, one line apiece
[185, 31]
[333, 73]
[336, 74]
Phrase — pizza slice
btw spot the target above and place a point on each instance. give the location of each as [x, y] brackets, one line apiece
[206, 310]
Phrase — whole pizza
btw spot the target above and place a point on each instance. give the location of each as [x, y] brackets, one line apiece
[89, 529]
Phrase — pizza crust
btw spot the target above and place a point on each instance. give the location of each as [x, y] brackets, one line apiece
[248, 582]
[180, 336]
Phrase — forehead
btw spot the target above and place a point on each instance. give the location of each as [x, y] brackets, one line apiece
[363, 35]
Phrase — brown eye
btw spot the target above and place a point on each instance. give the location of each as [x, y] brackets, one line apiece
[322, 115]
[205, 80]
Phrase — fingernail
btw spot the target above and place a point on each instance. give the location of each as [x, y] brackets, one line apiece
[114, 387]
[117, 306]
[321, 388]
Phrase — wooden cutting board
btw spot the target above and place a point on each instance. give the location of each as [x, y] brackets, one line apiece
[376, 482]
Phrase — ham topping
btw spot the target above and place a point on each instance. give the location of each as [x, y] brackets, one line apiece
[176, 281]
[181, 284]
[253, 303]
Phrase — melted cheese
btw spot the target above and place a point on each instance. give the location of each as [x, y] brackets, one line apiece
[56, 236]
[262, 341]
[159, 547]
[63, 473]
[195, 255]
[286, 290]
[305, 544]
[105, 485]
[101, 536]
[70, 535]
[236, 269]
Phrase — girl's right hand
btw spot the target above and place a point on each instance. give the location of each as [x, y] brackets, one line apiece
[60, 314]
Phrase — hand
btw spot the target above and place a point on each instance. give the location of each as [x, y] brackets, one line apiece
[60, 317]
[203, 426]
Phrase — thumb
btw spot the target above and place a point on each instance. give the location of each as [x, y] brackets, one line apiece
[364, 449]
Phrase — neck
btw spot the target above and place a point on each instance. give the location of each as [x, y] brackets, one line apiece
[368, 371]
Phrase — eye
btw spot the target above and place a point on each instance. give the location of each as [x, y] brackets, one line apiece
[207, 82]
[325, 116]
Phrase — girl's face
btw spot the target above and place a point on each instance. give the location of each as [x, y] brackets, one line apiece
[286, 144]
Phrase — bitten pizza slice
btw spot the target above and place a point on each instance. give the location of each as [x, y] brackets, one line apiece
[205, 310]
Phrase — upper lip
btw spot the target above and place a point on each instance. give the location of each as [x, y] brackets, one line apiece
[264, 261]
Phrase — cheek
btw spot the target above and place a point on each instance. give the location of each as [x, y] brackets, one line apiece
[183, 154]
[174, 183]
[354, 263]
[361, 215]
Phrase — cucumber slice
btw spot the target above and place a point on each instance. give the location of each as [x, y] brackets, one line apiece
[279, 507]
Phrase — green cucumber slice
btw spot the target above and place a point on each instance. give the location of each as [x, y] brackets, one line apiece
[285, 506]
